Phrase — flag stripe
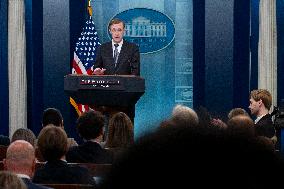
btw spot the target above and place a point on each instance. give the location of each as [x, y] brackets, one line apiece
[84, 56]
[76, 69]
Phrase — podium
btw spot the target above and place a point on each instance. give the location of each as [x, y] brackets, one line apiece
[108, 93]
[104, 90]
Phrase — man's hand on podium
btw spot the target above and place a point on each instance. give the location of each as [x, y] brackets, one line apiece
[99, 71]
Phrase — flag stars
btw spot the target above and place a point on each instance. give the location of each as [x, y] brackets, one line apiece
[86, 44]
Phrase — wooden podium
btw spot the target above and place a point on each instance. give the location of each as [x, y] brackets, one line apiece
[106, 93]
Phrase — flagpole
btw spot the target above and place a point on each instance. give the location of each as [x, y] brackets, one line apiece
[90, 10]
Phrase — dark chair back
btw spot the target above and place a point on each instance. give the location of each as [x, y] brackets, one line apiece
[96, 170]
[69, 186]
[3, 150]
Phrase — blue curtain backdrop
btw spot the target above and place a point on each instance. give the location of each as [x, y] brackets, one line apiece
[4, 105]
[221, 55]
[34, 34]
[254, 44]
[280, 50]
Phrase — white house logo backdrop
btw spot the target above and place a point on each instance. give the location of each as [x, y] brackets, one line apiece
[150, 29]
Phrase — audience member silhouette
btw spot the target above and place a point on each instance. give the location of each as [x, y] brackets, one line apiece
[184, 115]
[52, 143]
[241, 125]
[195, 157]
[53, 116]
[260, 103]
[204, 116]
[4, 140]
[9, 180]
[121, 131]
[121, 134]
[20, 159]
[24, 134]
[218, 123]
[237, 111]
[90, 127]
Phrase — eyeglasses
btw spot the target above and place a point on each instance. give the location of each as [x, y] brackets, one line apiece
[113, 30]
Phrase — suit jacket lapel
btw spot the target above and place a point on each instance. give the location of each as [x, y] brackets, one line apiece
[122, 55]
[110, 52]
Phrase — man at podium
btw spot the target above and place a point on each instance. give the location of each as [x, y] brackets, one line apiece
[117, 57]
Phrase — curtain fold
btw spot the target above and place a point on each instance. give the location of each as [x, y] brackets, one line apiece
[17, 66]
[267, 48]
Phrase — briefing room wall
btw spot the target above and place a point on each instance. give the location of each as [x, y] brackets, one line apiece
[162, 70]
[221, 55]
[219, 28]
[60, 21]
[56, 58]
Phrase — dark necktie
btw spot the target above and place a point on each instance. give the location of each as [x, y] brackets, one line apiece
[115, 54]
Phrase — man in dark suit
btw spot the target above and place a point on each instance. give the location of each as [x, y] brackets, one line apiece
[117, 56]
[52, 143]
[260, 103]
[20, 159]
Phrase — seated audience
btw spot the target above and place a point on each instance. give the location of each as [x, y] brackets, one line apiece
[241, 125]
[218, 123]
[195, 157]
[52, 143]
[9, 180]
[204, 116]
[20, 160]
[90, 127]
[266, 142]
[53, 116]
[121, 133]
[237, 111]
[207, 120]
[184, 115]
[4, 140]
[24, 134]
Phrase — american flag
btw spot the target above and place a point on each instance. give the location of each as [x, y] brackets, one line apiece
[84, 56]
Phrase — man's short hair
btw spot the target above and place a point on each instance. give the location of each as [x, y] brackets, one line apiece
[52, 116]
[184, 115]
[90, 124]
[115, 21]
[24, 134]
[52, 143]
[20, 156]
[237, 111]
[241, 125]
[263, 95]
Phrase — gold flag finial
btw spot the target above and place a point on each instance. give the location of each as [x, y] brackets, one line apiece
[90, 10]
